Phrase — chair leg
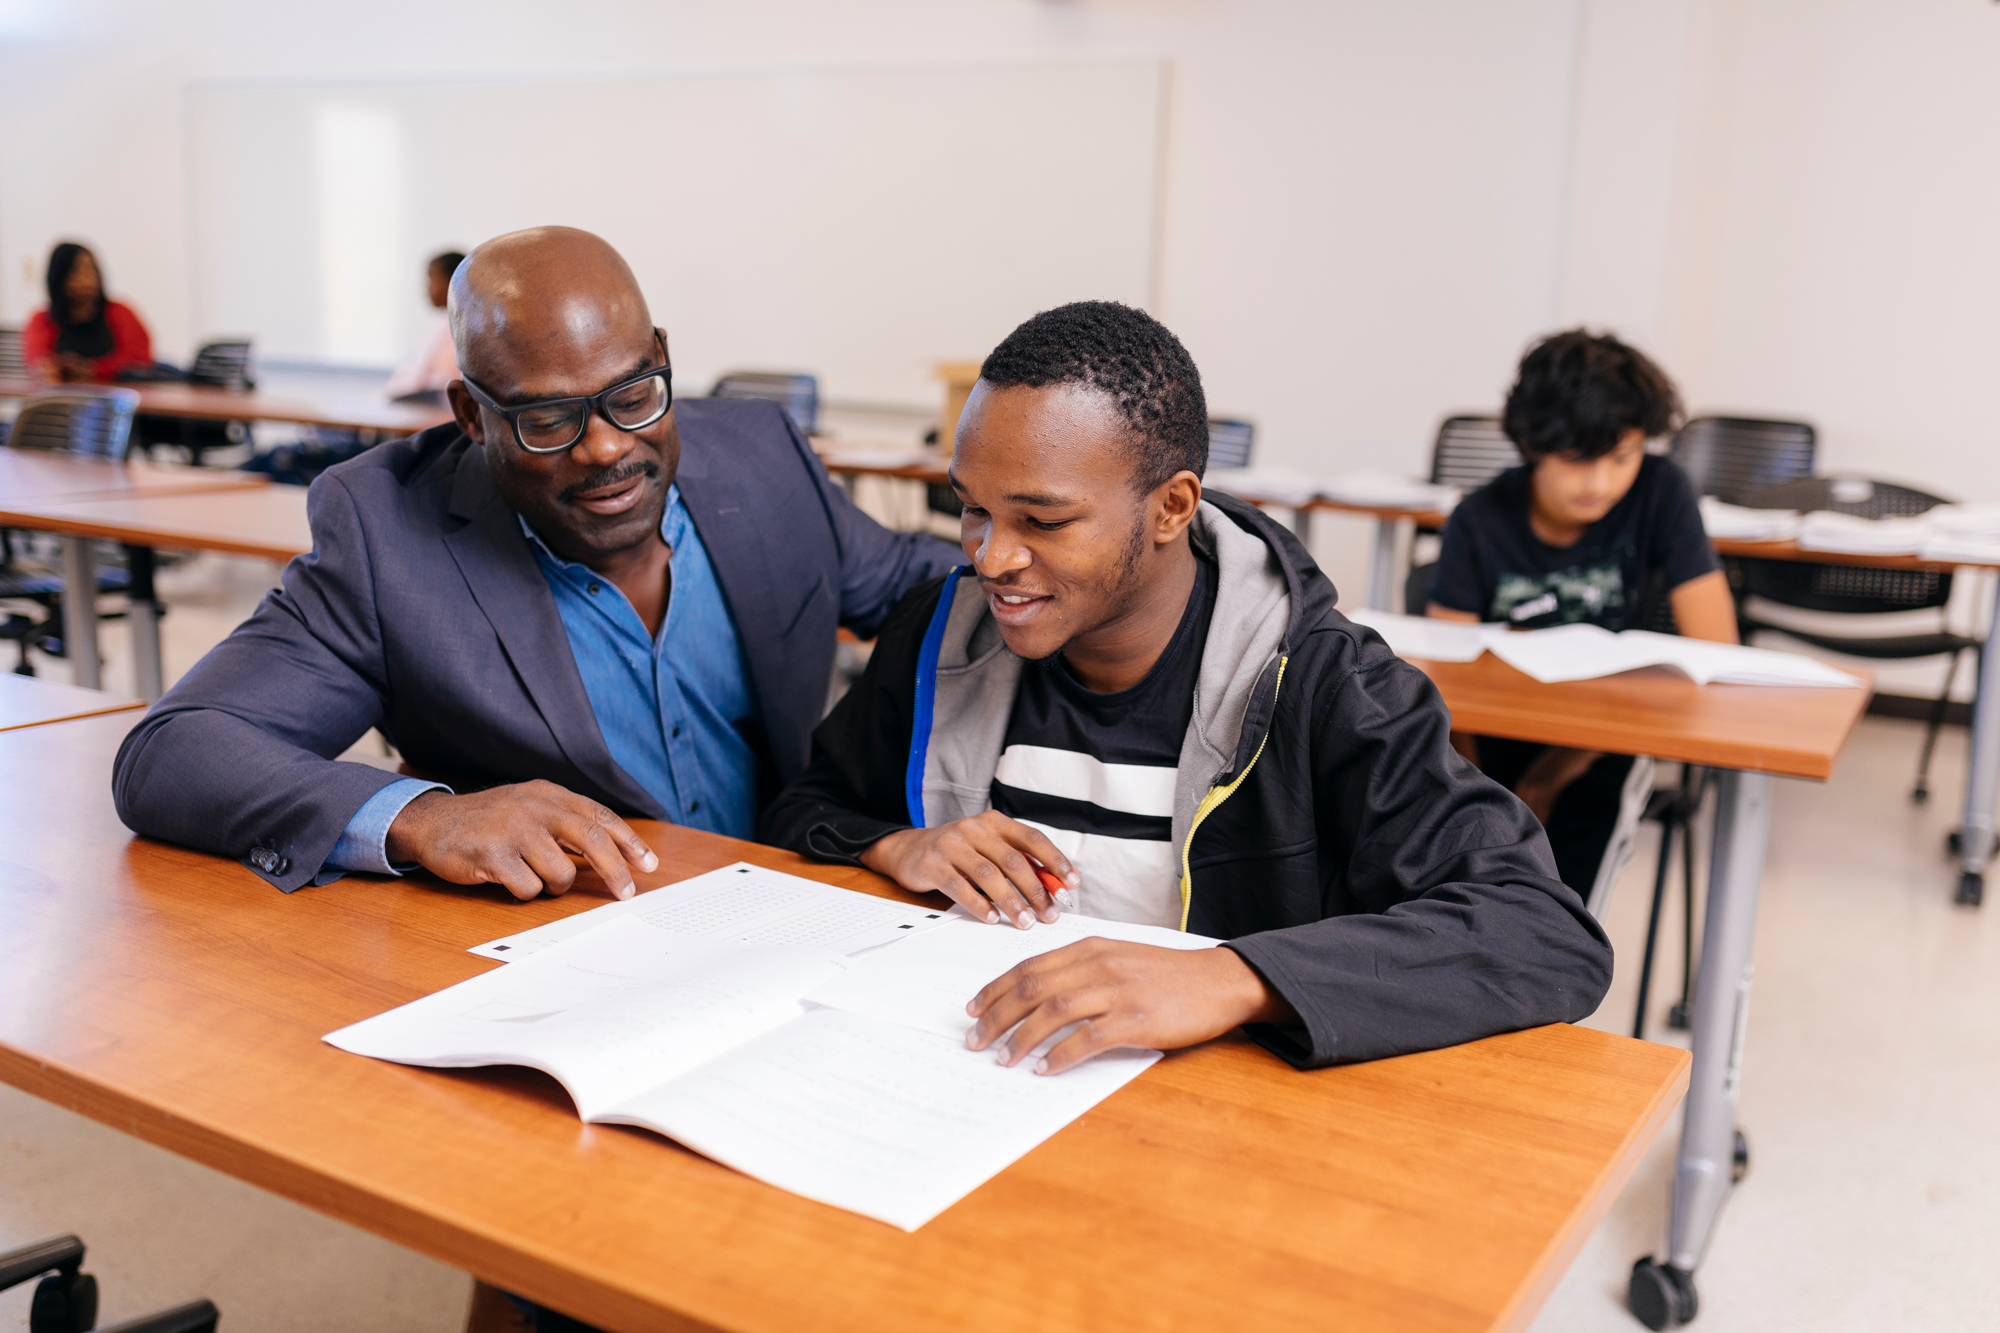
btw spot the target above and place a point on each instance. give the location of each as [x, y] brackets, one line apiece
[1922, 791]
[1667, 822]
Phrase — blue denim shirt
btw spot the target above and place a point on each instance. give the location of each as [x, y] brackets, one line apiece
[671, 707]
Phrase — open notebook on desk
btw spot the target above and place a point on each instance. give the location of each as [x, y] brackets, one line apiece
[708, 1037]
[1587, 652]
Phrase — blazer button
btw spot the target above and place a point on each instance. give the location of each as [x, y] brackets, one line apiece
[269, 861]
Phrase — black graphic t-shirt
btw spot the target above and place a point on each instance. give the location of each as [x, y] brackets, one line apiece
[1616, 575]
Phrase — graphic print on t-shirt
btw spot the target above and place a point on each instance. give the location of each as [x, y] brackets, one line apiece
[1095, 773]
[1563, 597]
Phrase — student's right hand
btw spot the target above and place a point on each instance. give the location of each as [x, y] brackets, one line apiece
[520, 837]
[981, 863]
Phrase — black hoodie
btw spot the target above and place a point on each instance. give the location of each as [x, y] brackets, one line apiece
[1397, 898]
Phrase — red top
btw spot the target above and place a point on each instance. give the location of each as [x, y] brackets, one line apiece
[131, 345]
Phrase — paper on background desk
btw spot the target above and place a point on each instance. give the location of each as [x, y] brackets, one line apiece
[1269, 485]
[1389, 491]
[1426, 637]
[925, 982]
[1586, 652]
[740, 903]
[1737, 523]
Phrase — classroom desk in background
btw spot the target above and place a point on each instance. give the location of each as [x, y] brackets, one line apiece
[1749, 734]
[262, 521]
[28, 702]
[176, 997]
[207, 403]
[1976, 832]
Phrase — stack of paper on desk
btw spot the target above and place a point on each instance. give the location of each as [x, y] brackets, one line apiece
[1425, 637]
[1585, 652]
[689, 1019]
[1748, 525]
[1388, 491]
[1264, 485]
[1827, 531]
[1963, 532]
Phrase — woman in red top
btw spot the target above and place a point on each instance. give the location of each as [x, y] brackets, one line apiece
[82, 336]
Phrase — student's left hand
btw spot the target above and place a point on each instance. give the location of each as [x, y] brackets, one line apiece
[1123, 994]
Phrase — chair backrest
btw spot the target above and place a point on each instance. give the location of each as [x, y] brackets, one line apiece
[1471, 451]
[1230, 442]
[223, 363]
[797, 394]
[11, 362]
[95, 422]
[1729, 457]
[1845, 589]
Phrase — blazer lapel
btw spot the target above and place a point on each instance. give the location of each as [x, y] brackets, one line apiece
[721, 513]
[500, 569]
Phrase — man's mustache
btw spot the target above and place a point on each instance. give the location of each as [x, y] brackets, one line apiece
[611, 476]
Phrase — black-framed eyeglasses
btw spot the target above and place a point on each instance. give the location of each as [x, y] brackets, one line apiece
[553, 425]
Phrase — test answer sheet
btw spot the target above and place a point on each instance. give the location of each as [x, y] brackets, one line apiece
[705, 1036]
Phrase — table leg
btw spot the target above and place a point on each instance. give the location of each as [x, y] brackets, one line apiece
[1982, 777]
[142, 613]
[1302, 526]
[1709, 1161]
[1382, 570]
[80, 612]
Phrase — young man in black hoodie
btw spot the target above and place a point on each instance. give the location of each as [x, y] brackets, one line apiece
[1149, 694]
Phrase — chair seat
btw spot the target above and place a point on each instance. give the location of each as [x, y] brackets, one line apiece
[27, 583]
[1891, 647]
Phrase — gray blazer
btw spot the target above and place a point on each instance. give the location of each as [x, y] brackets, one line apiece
[421, 611]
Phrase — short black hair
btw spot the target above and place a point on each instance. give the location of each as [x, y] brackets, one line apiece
[447, 263]
[1128, 355]
[1578, 393]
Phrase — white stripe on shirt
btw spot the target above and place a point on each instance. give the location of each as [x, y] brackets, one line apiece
[1136, 789]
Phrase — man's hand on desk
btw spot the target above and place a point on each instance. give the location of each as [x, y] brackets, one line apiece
[520, 837]
[1124, 995]
[981, 863]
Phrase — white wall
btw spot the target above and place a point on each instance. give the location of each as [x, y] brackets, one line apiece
[1362, 206]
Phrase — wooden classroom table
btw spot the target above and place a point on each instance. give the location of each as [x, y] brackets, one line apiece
[28, 702]
[177, 997]
[36, 474]
[1976, 830]
[265, 521]
[1748, 734]
[208, 403]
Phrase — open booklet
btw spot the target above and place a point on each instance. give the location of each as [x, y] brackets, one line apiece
[1585, 652]
[707, 1038]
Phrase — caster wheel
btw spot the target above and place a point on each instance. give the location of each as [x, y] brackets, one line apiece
[1920, 795]
[1678, 1016]
[1662, 1296]
[1954, 842]
[1739, 1160]
[1971, 889]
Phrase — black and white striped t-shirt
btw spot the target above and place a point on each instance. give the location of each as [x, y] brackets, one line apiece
[1095, 772]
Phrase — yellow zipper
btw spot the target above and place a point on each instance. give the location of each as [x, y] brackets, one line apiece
[1215, 796]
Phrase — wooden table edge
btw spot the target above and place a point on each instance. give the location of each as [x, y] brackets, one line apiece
[461, 1241]
[1582, 1223]
[44, 520]
[111, 706]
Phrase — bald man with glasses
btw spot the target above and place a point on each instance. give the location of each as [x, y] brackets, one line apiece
[579, 602]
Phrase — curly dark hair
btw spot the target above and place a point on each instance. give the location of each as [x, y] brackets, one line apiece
[1128, 355]
[1578, 393]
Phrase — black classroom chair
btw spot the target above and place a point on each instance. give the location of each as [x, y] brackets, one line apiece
[1469, 452]
[79, 419]
[223, 364]
[65, 1299]
[797, 394]
[1230, 441]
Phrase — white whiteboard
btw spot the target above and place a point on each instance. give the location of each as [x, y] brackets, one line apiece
[859, 224]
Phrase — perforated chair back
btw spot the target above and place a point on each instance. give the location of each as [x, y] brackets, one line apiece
[1229, 442]
[225, 364]
[797, 394]
[11, 362]
[96, 423]
[1471, 451]
[1845, 589]
[1729, 457]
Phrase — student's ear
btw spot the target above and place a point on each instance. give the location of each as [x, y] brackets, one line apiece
[465, 412]
[1174, 503]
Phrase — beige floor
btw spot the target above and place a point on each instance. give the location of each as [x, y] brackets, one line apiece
[1871, 1098]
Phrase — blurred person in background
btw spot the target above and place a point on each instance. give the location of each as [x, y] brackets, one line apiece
[83, 336]
[432, 363]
